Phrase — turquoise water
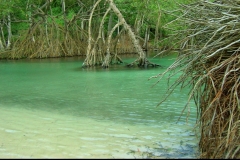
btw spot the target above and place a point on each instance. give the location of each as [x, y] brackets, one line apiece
[91, 112]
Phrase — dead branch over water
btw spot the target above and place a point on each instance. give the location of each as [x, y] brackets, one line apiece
[209, 60]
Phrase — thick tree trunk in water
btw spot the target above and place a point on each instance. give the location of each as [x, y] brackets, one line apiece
[142, 60]
[92, 49]
[108, 56]
[128, 28]
[98, 46]
[88, 60]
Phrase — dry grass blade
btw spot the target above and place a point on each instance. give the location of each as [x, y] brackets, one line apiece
[209, 59]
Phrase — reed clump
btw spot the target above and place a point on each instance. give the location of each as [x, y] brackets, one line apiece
[209, 60]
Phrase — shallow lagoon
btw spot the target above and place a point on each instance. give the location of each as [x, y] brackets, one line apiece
[53, 108]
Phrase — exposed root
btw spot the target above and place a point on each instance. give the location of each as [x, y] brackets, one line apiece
[143, 62]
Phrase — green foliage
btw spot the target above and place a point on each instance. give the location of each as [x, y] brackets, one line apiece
[131, 10]
[8, 6]
[70, 14]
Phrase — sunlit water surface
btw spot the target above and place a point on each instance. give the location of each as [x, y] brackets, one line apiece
[53, 108]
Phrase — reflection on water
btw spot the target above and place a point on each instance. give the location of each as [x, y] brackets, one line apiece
[54, 108]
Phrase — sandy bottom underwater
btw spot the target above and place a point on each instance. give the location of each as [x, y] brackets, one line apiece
[38, 134]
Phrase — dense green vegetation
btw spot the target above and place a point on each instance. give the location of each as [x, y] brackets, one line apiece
[53, 28]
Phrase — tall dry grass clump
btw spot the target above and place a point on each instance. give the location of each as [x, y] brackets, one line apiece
[41, 41]
[209, 60]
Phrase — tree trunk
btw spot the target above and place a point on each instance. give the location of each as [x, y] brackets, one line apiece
[142, 61]
[1, 45]
[156, 29]
[88, 61]
[138, 23]
[110, 22]
[2, 38]
[91, 51]
[98, 46]
[9, 29]
[146, 39]
[64, 16]
[108, 56]
[30, 19]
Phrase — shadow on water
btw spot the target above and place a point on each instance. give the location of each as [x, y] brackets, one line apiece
[183, 151]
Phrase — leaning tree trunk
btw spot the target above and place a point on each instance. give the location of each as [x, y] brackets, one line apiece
[92, 50]
[142, 60]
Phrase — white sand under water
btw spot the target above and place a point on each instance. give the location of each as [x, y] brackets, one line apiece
[39, 134]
